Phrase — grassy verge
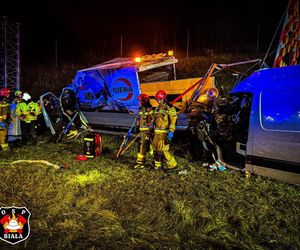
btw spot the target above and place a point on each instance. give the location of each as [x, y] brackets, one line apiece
[103, 203]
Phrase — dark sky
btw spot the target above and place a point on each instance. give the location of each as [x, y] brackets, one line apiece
[94, 28]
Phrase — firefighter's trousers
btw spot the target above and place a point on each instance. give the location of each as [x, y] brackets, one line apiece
[144, 147]
[161, 152]
[3, 135]
[29, 132]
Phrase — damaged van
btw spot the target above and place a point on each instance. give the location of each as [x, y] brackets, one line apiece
[107, 93]
[257, 128]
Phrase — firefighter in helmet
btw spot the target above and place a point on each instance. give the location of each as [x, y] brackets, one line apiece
[18, 96]
[145, 124]
[4, 117]
[165, 118]
[28, 111]
[14, 130]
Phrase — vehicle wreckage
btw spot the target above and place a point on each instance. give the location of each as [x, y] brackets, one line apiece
[254, 128]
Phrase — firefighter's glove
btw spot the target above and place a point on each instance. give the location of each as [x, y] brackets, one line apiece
[2, 125]
[169, 137]
[23, 116]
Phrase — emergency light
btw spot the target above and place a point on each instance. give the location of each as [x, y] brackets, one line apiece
[138, 59]
[170, 53]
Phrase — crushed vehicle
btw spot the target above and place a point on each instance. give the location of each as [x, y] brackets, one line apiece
[271, 144]
[257, 126]
[107, 94]
[254, 128]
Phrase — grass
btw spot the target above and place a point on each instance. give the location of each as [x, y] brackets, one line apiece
[103, 203]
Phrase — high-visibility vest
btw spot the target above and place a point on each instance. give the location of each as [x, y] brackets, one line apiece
[30, 111]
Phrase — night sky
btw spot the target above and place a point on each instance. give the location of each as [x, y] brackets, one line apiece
[90, 27]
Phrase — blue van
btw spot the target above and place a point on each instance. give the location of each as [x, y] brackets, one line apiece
[273, 144]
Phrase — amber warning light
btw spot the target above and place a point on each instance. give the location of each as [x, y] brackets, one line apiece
[170, 53]
[138, 59]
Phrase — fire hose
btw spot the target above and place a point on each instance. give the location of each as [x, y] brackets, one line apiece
[33, 161]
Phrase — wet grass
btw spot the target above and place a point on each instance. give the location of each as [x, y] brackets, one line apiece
[103, 203]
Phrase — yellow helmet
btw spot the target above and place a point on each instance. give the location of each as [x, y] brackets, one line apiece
[18, 92]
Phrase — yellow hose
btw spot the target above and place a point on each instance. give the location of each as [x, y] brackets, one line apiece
[34, 161]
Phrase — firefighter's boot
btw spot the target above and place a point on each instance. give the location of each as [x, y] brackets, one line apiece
[170, 162]
[157, 165]
[140, 161]
[139, 166]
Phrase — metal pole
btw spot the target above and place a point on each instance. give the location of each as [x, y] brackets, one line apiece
[239, 63]
[18, 69]
[281, 20]
[174, 71]
[5, 53]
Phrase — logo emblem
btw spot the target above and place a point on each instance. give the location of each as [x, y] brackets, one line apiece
[14, 224]
[123, 89]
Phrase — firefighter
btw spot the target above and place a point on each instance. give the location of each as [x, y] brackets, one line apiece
[4, 117]
[165, 118]
[68, 102]
[28, 111]
[69, 105]
[18, 96]
[14, 130]
[144, 123]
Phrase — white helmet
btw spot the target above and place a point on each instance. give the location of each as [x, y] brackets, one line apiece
[26, 96]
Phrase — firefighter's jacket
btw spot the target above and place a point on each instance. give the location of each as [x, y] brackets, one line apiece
[28, 112]
[145, 121]
[4, 115]
[165, 119]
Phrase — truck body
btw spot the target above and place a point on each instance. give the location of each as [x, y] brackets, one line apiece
[108, 93]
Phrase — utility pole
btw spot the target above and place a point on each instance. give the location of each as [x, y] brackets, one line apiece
[187, 44]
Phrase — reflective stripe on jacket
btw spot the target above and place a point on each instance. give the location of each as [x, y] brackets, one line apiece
[30, 111]
[4, 111]
[165, 119]
[145, 118]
